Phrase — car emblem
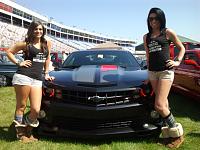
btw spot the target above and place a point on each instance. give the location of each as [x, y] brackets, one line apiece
[96, 98]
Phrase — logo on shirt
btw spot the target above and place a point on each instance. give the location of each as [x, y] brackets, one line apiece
[154, 47]
[40, 57]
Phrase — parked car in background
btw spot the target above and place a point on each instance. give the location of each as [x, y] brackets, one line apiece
[99, 93]
[142, 61]
[187, 75]
[7, 69]
[56, 58]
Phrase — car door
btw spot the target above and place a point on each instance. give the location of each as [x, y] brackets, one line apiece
[187, 74]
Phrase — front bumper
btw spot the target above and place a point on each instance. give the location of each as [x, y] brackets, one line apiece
[72, 120]
[147, 130]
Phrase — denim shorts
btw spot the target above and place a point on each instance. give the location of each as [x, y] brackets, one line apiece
[19, 79]
[159, 75]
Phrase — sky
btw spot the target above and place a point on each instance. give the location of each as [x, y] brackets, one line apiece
[120, 18]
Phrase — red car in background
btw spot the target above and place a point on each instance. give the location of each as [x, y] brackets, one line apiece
[187, 75]
[56, 58]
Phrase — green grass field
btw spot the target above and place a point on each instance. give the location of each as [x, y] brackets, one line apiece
[185, 110]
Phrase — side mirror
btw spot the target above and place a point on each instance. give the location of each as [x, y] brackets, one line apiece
[143, 64]
[56, 68]
[144, 67]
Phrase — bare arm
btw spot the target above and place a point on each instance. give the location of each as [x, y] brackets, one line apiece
[15, 49]
[146, 49]
[174, 38]
[46, 65]
[47, 61]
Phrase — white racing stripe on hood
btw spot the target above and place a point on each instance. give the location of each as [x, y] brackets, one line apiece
[82, 74]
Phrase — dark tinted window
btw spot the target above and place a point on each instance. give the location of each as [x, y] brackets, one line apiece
[121, 58]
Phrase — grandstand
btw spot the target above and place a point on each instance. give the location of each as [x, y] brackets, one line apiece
[15, 19]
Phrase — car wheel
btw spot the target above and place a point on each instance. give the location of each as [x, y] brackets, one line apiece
[3, 80]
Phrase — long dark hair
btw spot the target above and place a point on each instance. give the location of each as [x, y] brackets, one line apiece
[161, 17]
[30, 35]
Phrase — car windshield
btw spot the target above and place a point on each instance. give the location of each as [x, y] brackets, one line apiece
[101, 57]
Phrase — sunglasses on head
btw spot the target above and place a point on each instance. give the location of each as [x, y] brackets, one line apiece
[153, 18]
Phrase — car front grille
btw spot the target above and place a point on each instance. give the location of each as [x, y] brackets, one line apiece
[78, 124]
[100, 98]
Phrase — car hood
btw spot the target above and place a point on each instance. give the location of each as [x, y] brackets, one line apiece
[99, 76]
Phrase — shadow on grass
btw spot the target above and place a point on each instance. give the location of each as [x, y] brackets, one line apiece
[194, 134]
[8, 135]
[182, 106]
[98, 142]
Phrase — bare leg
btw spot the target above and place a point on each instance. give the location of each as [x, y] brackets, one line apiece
[161, 100]
[22, 94]
[35, 102]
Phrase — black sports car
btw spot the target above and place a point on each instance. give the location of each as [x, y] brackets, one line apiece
[99, 93]
[7, 69]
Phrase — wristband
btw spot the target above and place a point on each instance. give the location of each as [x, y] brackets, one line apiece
[18, 62]
[178, 60]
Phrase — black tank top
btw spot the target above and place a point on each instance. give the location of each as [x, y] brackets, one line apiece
[37, 58]
[159, 51]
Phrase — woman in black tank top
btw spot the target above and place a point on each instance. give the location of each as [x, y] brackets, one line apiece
[27, 81]
[161, 75]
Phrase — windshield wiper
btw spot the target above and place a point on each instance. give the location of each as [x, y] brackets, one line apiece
[72, 66]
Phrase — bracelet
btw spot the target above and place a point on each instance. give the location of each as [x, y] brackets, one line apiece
[178, 60]
[18, 62]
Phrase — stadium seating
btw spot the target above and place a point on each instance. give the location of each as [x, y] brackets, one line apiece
[10, 34]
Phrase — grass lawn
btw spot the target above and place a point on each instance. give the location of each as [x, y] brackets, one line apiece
[185, 110]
